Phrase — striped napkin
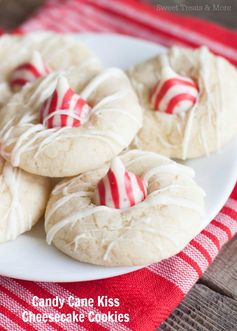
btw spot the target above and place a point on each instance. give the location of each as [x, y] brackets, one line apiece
[149, 295]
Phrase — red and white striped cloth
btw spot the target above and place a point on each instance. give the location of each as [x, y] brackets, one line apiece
[150, 294]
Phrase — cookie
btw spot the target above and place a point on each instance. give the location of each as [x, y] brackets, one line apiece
[23, 198]
[189, 100]
[28, 57]
[68, 123]
[139, 209]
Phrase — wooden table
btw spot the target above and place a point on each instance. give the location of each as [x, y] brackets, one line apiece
[212, 302]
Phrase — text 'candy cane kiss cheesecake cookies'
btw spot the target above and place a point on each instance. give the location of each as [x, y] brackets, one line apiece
[62, 124]
[138, 209]
[23, 198]
[189, 100]
[31, 56]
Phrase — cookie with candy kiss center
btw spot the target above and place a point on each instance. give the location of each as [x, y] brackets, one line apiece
[28, 72]
[173, 94]
[64, 108]
[119, 188]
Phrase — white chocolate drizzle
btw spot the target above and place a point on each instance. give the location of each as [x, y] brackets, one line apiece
[213, 106]
[117, 96]
[188, 132]
[14, 215]
[61, 201]
[73, 218]
[69, 186]
[140, 155]
[171, 168]
[119, 111]
[98, 80]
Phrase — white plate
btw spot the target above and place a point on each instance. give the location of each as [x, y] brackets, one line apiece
[30, 258]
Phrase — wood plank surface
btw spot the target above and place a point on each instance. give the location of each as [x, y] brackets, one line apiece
[211, 305]
[203, 310]
[222, 275]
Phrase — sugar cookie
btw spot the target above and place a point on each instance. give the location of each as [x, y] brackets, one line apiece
[139, 209]
[23, 198]
[27, 57]
[189, 100]
[62, 125]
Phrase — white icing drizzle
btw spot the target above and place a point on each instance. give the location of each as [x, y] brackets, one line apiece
[205, 75]
[166, 200]
[54, 136]
[109, 249]
[76, 239]
[161, 139]
[169, 167]
[106, 136]
[188, 132]
[98, 80]
[134, 227]
[179, 128]
[63, 200]
[172, 168]
[126, 229]
[204, 81]
[176, 186]
[61, 112]
[142, 154]
[210, 103]
[73, 218]
[117, 96]
[23, 142]
[204, 57]
[203, 138]
[26, 141]
[43, 90]
[119, 111]
[14, 214]
[70, 186]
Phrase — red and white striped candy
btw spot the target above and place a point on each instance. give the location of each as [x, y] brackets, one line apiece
[174, 94]
[119, 188]
[64, 108]
[28, 72]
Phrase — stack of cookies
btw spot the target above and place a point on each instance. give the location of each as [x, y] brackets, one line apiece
[88, 148]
